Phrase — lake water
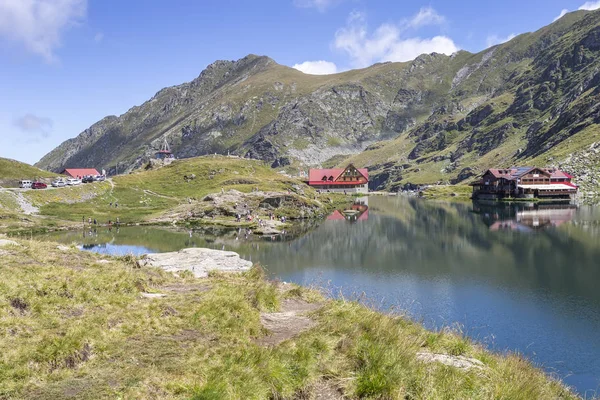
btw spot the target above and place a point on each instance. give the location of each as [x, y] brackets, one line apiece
[523, 278]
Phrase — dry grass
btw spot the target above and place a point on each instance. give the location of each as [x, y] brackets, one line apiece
[73, 327]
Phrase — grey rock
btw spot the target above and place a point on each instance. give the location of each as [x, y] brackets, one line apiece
[200, 261]
[460, 362]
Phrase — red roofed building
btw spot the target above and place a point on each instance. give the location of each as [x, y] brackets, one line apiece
[80, 172]
[349, 179]
[524, 182]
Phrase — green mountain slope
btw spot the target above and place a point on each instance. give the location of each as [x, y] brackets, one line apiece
[11, 170]
[436, 118]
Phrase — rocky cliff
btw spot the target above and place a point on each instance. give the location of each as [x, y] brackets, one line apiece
[437, 118]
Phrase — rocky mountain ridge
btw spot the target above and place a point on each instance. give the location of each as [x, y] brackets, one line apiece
[437, 118]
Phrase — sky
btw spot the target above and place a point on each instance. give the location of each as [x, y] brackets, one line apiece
[65, 64]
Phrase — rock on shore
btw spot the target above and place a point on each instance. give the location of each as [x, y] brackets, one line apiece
[198, 260]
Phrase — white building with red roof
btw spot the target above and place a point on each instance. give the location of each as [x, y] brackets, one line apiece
[80, 172]
[348, 180]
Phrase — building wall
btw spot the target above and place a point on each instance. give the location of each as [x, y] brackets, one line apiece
[336, 189]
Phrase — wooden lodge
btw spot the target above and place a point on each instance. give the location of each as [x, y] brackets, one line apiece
[348, 180]
[524, 182]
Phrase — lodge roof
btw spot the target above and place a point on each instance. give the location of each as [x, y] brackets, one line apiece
[332, 174]
[517, 172]
[75, 172]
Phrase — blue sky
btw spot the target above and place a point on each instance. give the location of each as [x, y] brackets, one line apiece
[65, 64]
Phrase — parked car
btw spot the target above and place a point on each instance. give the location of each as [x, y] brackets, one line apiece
[38, 185]
[100, 178]
[88, 179]
[25, 184]
[73, 181]
[58, 183]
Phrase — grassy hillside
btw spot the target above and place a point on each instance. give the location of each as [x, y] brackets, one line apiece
[147, 195]
[80, 327]
[16, 170]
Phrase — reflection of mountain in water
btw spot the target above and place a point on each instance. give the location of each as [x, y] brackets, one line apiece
[524, 217]
[443, 241]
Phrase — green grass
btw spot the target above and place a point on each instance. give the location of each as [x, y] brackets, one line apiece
[8, 202]
[448, 192]
[16, 170]
[147, 196]
[76, 328]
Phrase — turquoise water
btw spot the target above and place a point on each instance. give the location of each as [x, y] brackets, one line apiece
[520, 278]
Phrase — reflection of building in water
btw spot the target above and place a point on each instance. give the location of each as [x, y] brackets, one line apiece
[524, 217]
[359, 211]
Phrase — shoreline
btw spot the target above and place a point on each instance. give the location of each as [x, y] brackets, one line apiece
[343, 347]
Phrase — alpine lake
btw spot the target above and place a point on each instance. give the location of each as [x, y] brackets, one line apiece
[515, 277]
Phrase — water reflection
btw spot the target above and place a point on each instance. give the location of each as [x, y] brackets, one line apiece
[357, 211]
[524, 217]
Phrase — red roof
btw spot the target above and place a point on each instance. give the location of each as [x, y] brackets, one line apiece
[364, 216]
[516, 172]
[315, 176]
[75, 172]
[336, 216]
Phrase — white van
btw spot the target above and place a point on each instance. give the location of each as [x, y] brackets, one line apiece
[25, 184]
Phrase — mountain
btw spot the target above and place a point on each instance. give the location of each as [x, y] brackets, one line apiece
[533, 99]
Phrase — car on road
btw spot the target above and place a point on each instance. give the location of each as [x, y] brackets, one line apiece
[38, 185]
[73, 181]
[25, 184]
[59, 183]
[99, 178]
[88, 179]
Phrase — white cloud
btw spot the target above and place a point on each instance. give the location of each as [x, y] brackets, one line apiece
[320, 5]
[493, 40]
[425, 16]
[39, 24]
[590, 5]
[98, 37]
[386, 43]
[562, 14]
[317, 67]
[33, 126]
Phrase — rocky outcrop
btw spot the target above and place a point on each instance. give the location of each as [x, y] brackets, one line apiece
[199, 261]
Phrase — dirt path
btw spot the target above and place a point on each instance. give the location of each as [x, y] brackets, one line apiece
[289, 322]
[150, 192]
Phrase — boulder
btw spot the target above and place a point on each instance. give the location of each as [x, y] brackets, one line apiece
[6, 242]
[197, 260]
